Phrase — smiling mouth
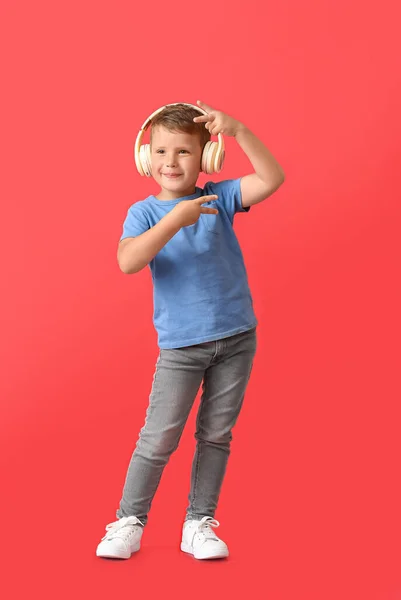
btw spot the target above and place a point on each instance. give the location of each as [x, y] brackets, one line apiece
[171, 176]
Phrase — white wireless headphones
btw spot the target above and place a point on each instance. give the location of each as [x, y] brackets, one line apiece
[212, 156]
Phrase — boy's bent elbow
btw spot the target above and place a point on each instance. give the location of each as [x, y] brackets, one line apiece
[123, 259]
[128, 269]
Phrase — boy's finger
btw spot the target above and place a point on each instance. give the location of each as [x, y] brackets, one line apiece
[205, 107]
[204, 199]
[203, 118]
[209, 211]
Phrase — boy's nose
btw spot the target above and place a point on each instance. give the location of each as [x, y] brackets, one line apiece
[170, 161]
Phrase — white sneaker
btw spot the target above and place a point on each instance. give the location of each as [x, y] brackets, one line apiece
[123, 537]
[199, 539]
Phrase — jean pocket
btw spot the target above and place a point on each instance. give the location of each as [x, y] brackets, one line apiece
[212, 221]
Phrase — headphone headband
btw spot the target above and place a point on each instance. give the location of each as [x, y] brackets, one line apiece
[148, 120]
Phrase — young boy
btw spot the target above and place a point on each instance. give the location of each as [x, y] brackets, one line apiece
[203, 314]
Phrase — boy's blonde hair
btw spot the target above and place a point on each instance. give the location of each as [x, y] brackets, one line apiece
[180, 118]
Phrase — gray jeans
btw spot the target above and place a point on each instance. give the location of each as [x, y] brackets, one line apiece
[224, 366]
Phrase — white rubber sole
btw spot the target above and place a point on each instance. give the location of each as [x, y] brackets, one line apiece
[110, 554]
[189, 550]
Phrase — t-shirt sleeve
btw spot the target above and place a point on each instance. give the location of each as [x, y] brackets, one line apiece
[135, 222]
[229, 195]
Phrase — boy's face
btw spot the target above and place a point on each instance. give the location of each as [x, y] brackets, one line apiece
[175, 153]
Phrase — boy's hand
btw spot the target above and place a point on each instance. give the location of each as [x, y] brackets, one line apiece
[188, 212]
[218, 122]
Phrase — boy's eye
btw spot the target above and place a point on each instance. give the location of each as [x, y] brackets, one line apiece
[161, 151]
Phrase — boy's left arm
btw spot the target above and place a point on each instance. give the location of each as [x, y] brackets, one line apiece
[268, 174]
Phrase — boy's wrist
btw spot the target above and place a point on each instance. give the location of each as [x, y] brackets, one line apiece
[172, 222]
[241, 128]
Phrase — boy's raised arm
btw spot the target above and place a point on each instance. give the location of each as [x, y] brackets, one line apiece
[268, 175]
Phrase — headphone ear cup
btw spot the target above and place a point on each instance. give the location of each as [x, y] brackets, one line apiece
[219, 160]
[145, 160]
[142, 161]
[204, 159]
[212, 160]
[148, 159]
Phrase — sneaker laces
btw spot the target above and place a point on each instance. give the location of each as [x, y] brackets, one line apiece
[114, 530]
[205, 528]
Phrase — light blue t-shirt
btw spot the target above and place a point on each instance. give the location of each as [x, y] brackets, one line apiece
[200, 284]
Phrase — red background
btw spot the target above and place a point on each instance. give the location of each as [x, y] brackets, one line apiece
[311, 502]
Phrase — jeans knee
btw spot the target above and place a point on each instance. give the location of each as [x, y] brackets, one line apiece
[157, 448]
[221, 439]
